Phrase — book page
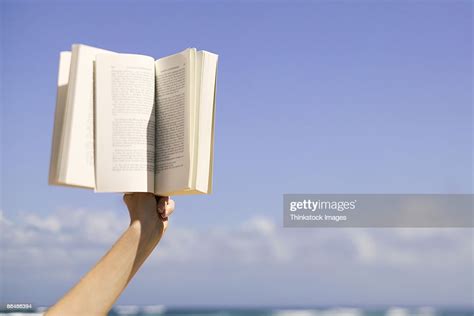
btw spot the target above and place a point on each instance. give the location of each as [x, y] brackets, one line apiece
[172, 164]
[77, 143]
[61, 95]
[206, 121]
[125, 123]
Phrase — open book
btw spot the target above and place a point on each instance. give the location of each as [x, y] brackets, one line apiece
[129, 123]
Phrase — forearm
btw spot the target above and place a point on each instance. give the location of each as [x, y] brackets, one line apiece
[97, 291]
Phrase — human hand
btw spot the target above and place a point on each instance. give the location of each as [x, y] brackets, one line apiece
[148, 209]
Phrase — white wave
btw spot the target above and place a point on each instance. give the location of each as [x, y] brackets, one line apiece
[397, 311]
[41, 309]
[342, 311]
[154, 309]
[295, 312]
[127, 309]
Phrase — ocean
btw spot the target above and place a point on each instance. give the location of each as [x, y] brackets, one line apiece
[132, 310]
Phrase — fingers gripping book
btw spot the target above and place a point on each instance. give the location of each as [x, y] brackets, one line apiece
[130, 123]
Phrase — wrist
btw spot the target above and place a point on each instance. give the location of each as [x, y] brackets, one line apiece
[148, 228]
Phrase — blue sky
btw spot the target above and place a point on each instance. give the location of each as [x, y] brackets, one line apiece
[316, 97]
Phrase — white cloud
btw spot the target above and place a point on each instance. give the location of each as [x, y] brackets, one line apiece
[48, 223]
[60, 241]
[366, 247]
[63, 244]
[257, 239]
